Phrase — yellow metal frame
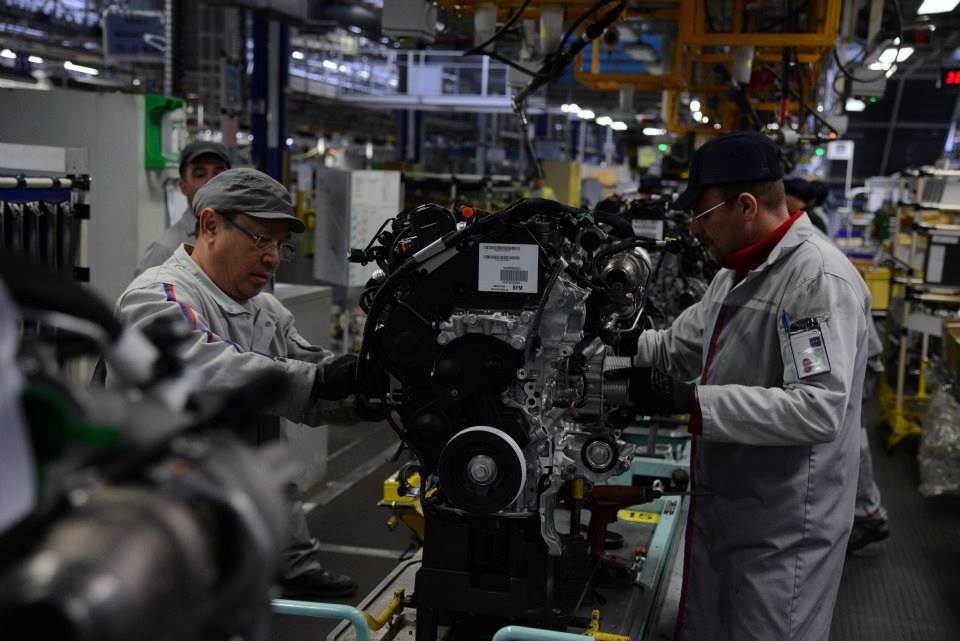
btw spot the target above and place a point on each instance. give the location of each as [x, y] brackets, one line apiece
[695, 45]
[905, 419]
[405, 509]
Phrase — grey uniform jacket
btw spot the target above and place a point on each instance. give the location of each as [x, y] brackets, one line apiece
[232, 340]
[777, 462]
[182, 231]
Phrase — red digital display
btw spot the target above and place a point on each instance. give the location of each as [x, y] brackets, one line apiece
[950, 77]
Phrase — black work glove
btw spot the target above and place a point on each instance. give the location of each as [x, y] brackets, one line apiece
[336, 379]
[654, 393]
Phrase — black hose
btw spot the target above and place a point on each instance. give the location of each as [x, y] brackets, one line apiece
[618, 223]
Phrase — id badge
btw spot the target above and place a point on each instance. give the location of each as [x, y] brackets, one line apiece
[809, 352]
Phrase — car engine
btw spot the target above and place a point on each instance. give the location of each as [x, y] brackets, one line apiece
[487, 338]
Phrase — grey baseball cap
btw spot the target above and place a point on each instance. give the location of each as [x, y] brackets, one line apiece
[203, 148]
[247, 191]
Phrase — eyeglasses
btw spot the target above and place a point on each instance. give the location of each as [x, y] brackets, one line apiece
[265, 243]
[694, 216]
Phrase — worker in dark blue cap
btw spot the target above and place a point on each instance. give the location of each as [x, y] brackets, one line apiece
[770, 367]
[199, 162]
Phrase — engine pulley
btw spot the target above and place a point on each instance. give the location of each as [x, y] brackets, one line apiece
[482, 470]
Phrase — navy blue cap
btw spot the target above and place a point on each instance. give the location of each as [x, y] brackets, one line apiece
[740, 157]
[798, 188]
[203, 148]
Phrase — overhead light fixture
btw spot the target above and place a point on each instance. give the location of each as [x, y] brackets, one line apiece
[364, 74]
[773, 126]
[586, 114]
[705, 120]
[355, 29]
[604, 121]
[570, 108]
[697, 116]
[289, 142]
[6, 53]
[136, 82]
[937, 6]
[297, 55]
[618, 125]
[330, 64]
[37, 60]
[654, 131]
[891, 71]
[694, 105]
[855, 104]
[717, 125]
[90, 71]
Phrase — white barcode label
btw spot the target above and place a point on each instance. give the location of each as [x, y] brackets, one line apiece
[647, 228]
[507, 268]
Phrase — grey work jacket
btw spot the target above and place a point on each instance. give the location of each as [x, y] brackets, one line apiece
[232, 340]
[777, 462]
[182, 231]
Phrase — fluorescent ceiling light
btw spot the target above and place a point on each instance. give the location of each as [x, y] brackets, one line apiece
[69, 66]
[892, 71]
[586, 114]
[330, 64]
[855, 104]
[937, 6]
[694, 105]
[654, 131]
[891, 55]
[6, 53]
[570, 108]
[604, 121]
[297, 55]
[37, 60]
[618, 125]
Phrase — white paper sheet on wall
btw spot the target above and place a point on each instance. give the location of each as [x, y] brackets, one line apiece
[934, 271]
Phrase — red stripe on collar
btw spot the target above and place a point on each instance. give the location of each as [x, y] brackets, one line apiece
[752, 256]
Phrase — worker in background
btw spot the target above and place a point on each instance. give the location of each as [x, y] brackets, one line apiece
[539, 189]
[199, 162]
[779, 345]
[871, 522]
[238, 331]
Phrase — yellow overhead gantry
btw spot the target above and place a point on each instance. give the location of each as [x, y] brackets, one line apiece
[696, 50]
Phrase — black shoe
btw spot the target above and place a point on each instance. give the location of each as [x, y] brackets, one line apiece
[318, 585]
[866, 531]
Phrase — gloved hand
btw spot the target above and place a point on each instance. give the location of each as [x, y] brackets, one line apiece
[654, 393]
[336, 379]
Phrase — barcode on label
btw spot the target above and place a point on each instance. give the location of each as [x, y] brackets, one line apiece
[514, 275]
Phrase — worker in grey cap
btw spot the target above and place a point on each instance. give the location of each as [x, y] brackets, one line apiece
[199, 162]
[769, 365]
[238, 331]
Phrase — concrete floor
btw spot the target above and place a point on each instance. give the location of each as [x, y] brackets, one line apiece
[903, 589]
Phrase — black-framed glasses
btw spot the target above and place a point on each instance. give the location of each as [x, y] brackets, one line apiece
[265, 243]
[695, 216]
